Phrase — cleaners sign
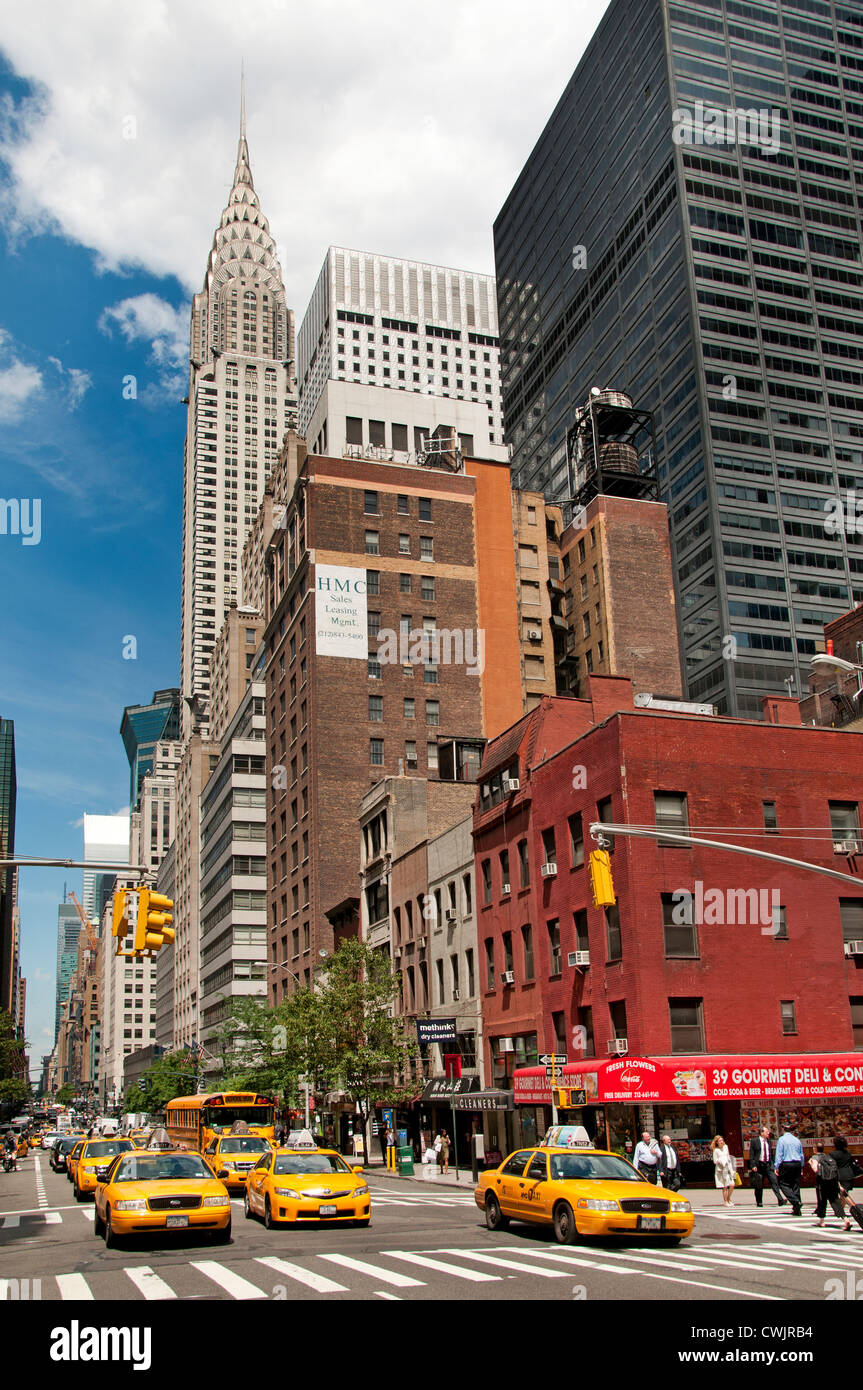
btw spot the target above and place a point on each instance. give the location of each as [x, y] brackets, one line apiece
[341, 622]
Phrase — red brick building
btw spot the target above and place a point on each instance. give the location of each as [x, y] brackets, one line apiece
[663, 977]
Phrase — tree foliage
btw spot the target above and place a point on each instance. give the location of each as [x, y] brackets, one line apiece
[170, 1075]
[65, 1094]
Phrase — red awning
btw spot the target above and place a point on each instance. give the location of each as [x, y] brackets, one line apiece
[808, 1076]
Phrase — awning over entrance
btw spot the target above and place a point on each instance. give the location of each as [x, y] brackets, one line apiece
[808, 1076]
[441, 1087]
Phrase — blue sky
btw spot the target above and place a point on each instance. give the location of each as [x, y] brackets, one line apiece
[118, 131]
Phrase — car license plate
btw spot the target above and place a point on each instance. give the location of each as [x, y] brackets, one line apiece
[650, 1223]
[329, 1210]
[177, 1221]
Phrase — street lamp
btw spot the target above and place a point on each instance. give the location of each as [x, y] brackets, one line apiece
[826, 661]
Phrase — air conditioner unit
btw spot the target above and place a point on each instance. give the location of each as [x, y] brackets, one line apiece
[505, 888]
[455, 995]
[508, 977]
[618, 1045]
[578, 958]
[422, 942]
[854, 948]
[534, 636]
[549, 871]
[505, 1045]
[846, 847]
[511, 784]
[451, 915]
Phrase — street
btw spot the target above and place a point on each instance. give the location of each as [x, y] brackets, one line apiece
[424, 1243]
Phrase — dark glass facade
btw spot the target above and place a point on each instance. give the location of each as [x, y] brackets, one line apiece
[721, 285]
[141, 729]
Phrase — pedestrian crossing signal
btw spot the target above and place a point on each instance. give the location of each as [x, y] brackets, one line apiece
[599, 867]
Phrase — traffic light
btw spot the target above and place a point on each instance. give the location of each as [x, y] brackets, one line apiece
[600, 878]
[153, 929]
[122, 917]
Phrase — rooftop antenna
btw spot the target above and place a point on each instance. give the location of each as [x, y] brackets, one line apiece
[242, 99]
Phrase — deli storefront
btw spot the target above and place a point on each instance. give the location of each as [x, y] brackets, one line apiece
[694, 1098]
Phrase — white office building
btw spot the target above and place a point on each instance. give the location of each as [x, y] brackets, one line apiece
[391, 349]
[106, 841]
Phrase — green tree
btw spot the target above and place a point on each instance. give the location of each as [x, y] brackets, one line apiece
[14, 1093]
[65, 1094]
[170, 1075]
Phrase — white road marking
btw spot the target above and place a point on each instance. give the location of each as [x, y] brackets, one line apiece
[52, 1218]
[73, 1286]
[149, 1283]
[665, 1278]
[387, 1276]
[10, 1222]
[441, 1267]
[233, 1284]
[503, 1263]
[41, 1197]
[393, 1297]
[304, 1276]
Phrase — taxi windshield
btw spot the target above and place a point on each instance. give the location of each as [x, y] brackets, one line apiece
[160, 1167]
[592, 1167]
[243, 1144]
[299, 1164]
[106, 1148]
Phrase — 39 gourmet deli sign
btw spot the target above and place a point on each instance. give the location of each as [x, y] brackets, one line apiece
[637, 1079]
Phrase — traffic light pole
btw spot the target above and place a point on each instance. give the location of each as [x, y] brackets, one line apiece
[601, 830]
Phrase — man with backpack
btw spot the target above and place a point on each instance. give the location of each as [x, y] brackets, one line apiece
[826, 1173]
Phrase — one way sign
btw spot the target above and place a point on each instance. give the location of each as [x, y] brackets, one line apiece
[553, 1059]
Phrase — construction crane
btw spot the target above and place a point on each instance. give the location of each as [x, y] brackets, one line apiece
[92, 939]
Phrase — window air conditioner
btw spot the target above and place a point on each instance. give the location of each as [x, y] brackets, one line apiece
[511, 784]
[508, 977]
[618, 1045]
[455, 995]
[846, 847]
[854, 948]
[451, 914]
[549, 870]
[505, 888]
[505, 1045]
[578, 958]
[534, 636]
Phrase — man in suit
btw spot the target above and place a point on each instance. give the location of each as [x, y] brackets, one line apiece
[668, 1167]
[761, 1167]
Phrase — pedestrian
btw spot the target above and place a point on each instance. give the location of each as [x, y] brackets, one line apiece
[723, 1169]
[444, 1151]
[849, 1168]
[668, 1167]
[826, 1172]
[761, 1167]
[789, 1166]
[646, 1157]
[382, 1139]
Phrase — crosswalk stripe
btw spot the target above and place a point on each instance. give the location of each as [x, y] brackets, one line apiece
[233, 1284]
[73, 1286]
[503, 1263]
[689, 1259]
[318, 1282]
[386, 1276]
[441, 1267]
[52, 1218]
[149, 1283]
[10, 1222]
[665, 1278]
[805, 1259]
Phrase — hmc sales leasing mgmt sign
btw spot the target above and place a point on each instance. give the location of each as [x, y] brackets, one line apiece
[341, 621]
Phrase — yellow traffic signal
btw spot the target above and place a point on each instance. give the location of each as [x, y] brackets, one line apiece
[153, 929]
[121, 922]
[601, 882]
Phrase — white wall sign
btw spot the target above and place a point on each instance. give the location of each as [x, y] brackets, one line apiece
[341, 622]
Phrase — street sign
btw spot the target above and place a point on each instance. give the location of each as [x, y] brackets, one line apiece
[556, 1058]
[553, 1071]
[436, 1030]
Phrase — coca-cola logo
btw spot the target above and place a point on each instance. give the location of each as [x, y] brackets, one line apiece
[631, 1078]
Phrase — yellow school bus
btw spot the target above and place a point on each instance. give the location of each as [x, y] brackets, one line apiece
[194, 1121]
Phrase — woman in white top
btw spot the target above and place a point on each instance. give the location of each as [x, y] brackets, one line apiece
[724, 1169]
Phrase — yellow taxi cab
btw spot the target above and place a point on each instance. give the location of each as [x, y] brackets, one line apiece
[95, 1154]
[72, 1158]
[35, 1140]
[580, 1192]
[305, 1183]
[234, 1156]
[151, 1190]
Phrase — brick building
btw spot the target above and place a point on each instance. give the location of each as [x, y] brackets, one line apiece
[834, 698]
[662, 978]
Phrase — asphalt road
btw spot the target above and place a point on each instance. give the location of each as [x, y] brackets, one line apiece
[423, 1244]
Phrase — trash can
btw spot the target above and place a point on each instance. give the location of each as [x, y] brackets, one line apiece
[406, 1162]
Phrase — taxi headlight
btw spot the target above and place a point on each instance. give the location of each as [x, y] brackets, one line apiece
[132, 1204]
[288, 1192]
[598, 1204]
[362, 1190]
[681, 1206]
[217, 1201]
[229, 1163]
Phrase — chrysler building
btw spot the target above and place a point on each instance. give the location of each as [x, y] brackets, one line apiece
[242, 396]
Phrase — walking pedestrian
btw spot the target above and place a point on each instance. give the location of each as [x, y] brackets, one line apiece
[668, 1167]
[849, 1168]
[444, 1152]
[761, 1167]
[826, 1172]
[646, 1157]
[789, 1166]
[723, 1169]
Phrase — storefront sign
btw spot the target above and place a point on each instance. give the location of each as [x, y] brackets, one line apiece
[643, 1080]
[436, 1030]
[443, 1087]
[341, 621]
[485, 1100]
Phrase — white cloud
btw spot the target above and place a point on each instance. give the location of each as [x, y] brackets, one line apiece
[147, 318]
[77, 382]
[19, 381]
[389, 126]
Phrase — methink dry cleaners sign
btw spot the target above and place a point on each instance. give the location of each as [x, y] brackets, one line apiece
[341, 624]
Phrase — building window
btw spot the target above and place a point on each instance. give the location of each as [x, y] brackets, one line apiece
[845, 821]
[851, 915]
[506, 937]
[441, 997]
[410, 709]
[432, 712]
[427, 589]
[582, 941]
[671, 814]
[686, 1017]
[404, 583]
[432, 756]
[504, 872]
[489, 963]
[372, 543]
[376, 709]
[370, 503]
[554, 946]
[430, 675]
[617, 1016]
[576, 840]
[681, 936]
[467, 884]
[425, 508]
[486, 880]
[527, 948]
[404, 545]
[612, 934]
[401, 501]
[771, 823]
[426, 548]
[549, 849]
[780, 925]
[411, 752]
[789, 1016]
[524, 863]
[605, 814]
[376, 751]
[353, 427]
[468, 961]
[373, 582]
[374, 668]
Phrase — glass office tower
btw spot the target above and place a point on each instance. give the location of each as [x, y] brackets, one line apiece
[687, 229]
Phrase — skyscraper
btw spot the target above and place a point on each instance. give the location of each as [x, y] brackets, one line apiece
[68, 931]
[106, 841]
[686, 229]
[390, 349]
[241, 396]
[141, 728]
[8, 877]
